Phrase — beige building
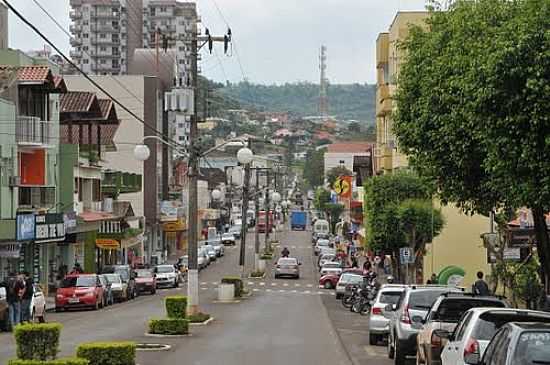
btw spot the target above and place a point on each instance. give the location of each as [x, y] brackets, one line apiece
[3, 26]
[459, 243]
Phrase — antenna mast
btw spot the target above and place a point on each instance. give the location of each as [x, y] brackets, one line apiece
[323, 96]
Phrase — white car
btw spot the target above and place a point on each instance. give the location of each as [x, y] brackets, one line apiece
[38, 305]
[228, 239]
[476, 328]
[324, 258]
[118, 287]
[320, 245]
[331, 268]
[167, 276]
[379, 326]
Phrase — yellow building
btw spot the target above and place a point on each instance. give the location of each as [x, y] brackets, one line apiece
[459, 243]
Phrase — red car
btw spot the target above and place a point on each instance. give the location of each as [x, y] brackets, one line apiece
[329, 281]
[146, 281]
[80, 291]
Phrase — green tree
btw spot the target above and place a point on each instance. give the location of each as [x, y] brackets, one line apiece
[333, 210]
[314, 167]
[336, 172]
[473, 105]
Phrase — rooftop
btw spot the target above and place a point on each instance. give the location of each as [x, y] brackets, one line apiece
[350, 147]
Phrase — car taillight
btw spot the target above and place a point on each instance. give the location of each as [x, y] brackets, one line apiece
[405, 318]
[472, 347]
[376, 311]
[436, 341]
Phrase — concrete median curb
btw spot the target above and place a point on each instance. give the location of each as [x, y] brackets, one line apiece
[257, 277]
[202, 323]
[226, 302]
[166, 336]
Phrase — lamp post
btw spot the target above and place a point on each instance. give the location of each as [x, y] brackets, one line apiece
[276, 198]
[245, 157]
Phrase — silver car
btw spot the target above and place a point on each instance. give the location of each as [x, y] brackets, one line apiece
[287, 266]
[345, 280]
[321, 243]
[331, 268]
[378, 324]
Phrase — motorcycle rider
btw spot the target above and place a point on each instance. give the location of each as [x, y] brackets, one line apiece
[285, 252]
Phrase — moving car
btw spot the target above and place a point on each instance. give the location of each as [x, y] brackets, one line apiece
[287, 266]
[321, 226]
[202, 259]
[316, 236]
[476, 328]
[298, 220]
[236, 231]
[211, 252]
[416, 300]
[517, 343]
[444, 315]
[78, 291]
[146, 281]
[379, 326]
[331, 267]
[119, 288]
[204, 253]
[346, 279]
[107, 291]
[324, 258]
[330, 280]
[228, 239]
[321, 243]
[167, 276]
[38, 305]
[218, 246]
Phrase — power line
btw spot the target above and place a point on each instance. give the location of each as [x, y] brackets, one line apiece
[47, 40]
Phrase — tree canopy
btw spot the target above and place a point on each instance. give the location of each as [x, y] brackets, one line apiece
[473, 106]
[314, 167]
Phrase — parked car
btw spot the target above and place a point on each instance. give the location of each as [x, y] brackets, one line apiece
[379, 326]
[202, 259]
[119, 288]
[287, 266]
[146, 281]
[316, 236]
[346, 279]
[517, 343]
[228, 239]
[330, 280]
[128, 276]
[38, 305]
[476, 328]
[444, 315]
[78, 291]
[324, 258]
[321, 243]
[218, 246]
[4, 314]
[415, 300]
[211, 252]
[204, 253]
[334, 267]
[107, 290]
[236, 231]
[167, 276]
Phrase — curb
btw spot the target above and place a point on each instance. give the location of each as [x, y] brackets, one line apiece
[226, 302]
[202, 323]
[257, 277]
[166, 348]
[166, 336]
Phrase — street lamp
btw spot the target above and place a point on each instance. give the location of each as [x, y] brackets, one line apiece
[141, 152]
[276, 197]
[216, 194]
[245, 157]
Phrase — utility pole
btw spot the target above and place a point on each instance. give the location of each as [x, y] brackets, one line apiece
[256, 217]
[244, 220]
[267, 244]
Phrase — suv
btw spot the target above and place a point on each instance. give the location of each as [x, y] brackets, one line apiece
[378, 324]
[415, 301]
[444, 315]
[476, 328]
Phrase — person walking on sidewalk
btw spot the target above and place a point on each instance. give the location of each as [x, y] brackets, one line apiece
[15, 289]
[27, 297]
[480, 287]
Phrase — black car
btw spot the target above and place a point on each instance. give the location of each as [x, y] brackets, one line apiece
[517, 343]
[128, 276]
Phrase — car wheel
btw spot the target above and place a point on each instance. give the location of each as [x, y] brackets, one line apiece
[176, 284]
[328, 285]
[400, 356]
[373, 339]
[391, 349]
[96, 305]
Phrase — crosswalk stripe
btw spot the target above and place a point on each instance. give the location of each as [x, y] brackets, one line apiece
[268, 290]
[255, 289]
[204, 283]
[262, 284]
[297, 285]
[273, 284]
[309, 285]
[307, 292]
[204, 288]
[251, 283]
[282, 291]
[319, 292]
[332, 293]
[214, 283]
[285, 284]
[294, 291]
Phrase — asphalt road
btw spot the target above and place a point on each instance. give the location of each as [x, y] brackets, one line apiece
[285, 321]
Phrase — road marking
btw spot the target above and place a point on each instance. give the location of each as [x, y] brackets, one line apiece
[273, 284]
[282, 291]
[372, 352]
[204, 288]
[320, 292]
[293, 247]
[294, 291]
[251, 283]
[309, 285]
[332, 293]
[268, 290]
[297, 285]
[307, 292]
[285, 284]
[262, 284]
[214, 283]
[255, 289]
[204, 283]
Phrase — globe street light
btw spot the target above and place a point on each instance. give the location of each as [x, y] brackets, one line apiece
[141, 152]
[216, 194]
[245, 155]
[276, 197]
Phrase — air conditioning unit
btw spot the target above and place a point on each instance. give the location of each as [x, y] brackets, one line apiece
[14, 181]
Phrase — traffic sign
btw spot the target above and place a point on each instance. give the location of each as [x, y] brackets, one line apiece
[342, 186]
[406, 255]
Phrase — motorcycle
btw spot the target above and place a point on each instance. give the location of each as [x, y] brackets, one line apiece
[363, 301]
[352, 291]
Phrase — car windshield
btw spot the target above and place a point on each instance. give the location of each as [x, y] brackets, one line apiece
[533, 348]
[287, 261]
[332, 265]
[323, 242]
[423, 299]
[389, 297]
[113, 278]
[184, 260]
[78, 281]
[451, 310]
[228, 236]
[165, 269]
[123, 273]
[489, 322]
[351, 279]
[144, 274]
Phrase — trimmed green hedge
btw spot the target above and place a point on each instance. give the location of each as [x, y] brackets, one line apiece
[108, 353]
[169, 326]
[176, 306]
[69, 361]
[37, 341]
[257, 274]
[237, 282]
[198, 318]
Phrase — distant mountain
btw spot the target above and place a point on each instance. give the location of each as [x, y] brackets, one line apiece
[346, 101]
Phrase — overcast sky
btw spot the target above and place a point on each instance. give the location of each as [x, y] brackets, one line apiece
[277, 41]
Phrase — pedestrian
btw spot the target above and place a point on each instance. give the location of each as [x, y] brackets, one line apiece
[27, 297]
[77, 269]
[354, 263]
[387, 264]
[15, 287]
[480, 287]
[433, 279]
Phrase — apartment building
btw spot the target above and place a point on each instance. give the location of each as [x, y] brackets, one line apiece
[105, 33]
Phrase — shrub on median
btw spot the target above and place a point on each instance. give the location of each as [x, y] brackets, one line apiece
[257, 274]
[108, 353]
[37, 341]
[176, 306]
[69, 361]
[169, 326]
[237, 282]
[198, 317]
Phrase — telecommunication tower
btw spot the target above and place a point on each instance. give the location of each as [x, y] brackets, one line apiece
[323, 96]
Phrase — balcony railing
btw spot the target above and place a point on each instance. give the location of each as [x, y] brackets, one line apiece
[33, 131]
[115, 182]
[74, 14]
[98, 40]
[91, 206]
[105, 28]
[105, 15]
[75, 42]
[75, 54]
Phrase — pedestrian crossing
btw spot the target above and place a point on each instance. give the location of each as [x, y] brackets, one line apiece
[274, 288]
[289, 247]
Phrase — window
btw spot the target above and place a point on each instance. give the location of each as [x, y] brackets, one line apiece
[459, 331]
[181, 62]
[163, 9]
[96, 190]
[389, 297]
[85, 48]
[85, 35]
[532, 348]
[102, 35]
[85, 61]
[164, 22]
[103, 61]
[181, 138]
[181, 49]
[450, 310]
[103, 49]
[85, 22]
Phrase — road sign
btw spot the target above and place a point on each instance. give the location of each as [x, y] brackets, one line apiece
[342, 186]
[406, 255]
[512, 254]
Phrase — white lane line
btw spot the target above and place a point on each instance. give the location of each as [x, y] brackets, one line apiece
[273, 284]
[320, 292]
[255, 289]
[309, 285]
[285, 284]
[282, 291]
[268, 290]
[262, 284]
[297, 285]
[251, 283]
[294, 291]
[307, 292]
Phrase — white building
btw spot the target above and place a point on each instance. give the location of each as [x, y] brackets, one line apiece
[345, 154]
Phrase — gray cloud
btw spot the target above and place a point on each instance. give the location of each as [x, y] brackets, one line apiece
[277, 40]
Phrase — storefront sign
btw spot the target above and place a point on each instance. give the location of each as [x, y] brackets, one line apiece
[170, 210]
[177, 226]
[107, 244]
[511, 254]
[49, 228]
[70, 221]
[25, 227]
[10, 249]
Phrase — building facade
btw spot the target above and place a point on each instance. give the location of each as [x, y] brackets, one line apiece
[105, 33]
[4, 35]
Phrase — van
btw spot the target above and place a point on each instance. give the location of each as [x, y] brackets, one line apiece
[321, 226]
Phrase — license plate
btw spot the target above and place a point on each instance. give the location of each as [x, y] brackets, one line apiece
[74, 300]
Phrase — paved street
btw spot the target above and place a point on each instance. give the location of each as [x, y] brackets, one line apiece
[284, 321]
